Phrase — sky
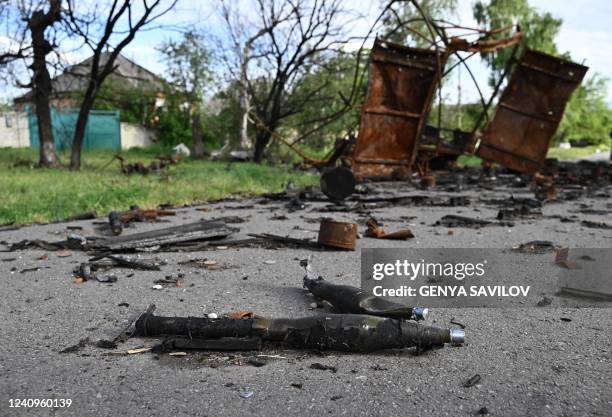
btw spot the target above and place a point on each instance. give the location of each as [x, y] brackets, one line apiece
[585, 33]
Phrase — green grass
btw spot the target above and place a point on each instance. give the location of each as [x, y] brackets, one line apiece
[469, 160]
[29, 194]
[575, 153]
[558, 153]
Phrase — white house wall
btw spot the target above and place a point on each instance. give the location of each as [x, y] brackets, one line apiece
[136, 136]
[14, 131]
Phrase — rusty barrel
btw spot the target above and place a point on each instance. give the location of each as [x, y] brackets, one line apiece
[428, 181]
[337, 234]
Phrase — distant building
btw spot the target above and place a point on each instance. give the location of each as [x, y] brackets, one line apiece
[68, 86]
[123, 114]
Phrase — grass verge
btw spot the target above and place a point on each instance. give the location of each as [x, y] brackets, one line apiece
[29, 194]
[558, 153]
[576, 153]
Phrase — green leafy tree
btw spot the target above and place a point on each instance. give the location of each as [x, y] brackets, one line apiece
[272, 49]
[174, 121]
[587, 116]
[404, 23]
[222, 116]
[335, 81]
[540, 29]
[188, 62]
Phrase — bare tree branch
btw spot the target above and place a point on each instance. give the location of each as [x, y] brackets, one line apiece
[82, 26]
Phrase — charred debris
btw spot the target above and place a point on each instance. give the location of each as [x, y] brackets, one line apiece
[397, 139]
[395, 148]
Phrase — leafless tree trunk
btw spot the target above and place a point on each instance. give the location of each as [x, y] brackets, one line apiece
[197, 136]
[245, 103]
[100, 71]
[272, 55]
[242, 46]
[41, 80]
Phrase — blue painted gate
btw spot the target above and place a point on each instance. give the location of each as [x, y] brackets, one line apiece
[103, 129]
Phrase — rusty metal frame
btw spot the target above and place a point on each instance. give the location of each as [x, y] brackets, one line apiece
[529, 111]
[401, 88]
[402, 84]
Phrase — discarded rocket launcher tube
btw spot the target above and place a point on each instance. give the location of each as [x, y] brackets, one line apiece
[340, 332]
[347, 299]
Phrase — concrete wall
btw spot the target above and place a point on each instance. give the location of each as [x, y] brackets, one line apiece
[136, 136]
[14, 130]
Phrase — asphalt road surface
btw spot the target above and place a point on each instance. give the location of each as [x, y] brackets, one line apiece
[533, 361]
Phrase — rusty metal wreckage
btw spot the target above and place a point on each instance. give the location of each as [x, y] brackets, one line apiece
[394, 138]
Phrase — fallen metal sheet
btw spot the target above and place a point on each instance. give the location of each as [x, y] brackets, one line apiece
[529, 111]
[400, 91]
[167, 236]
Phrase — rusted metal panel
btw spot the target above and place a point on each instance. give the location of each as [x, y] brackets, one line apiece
[400, 90]
[529, 111]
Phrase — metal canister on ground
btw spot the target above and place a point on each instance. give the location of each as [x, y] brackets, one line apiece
[428, 181]
[337, 234]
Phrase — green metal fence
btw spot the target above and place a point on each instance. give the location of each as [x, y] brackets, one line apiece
[103, 129]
